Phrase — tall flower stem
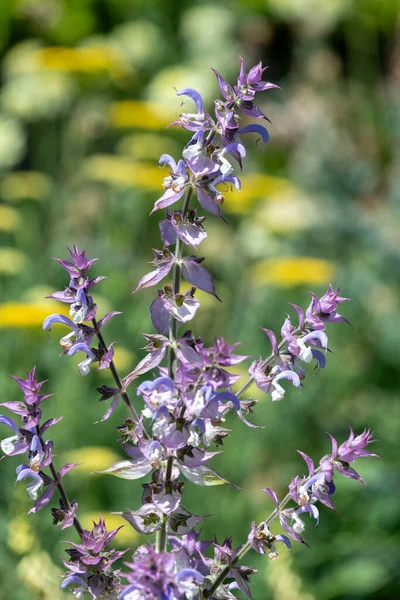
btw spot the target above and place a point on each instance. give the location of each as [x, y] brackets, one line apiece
[161, 535]
[115, 374]
[60, 488]
[220, 577]
[176, 286]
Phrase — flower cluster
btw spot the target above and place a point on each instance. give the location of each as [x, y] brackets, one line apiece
[90, 564]
[185, 417]
[82, 310]
[28, 439]
[302, 344]
[306, 492]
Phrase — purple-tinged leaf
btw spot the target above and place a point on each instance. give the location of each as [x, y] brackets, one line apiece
[182, 307]
[160, 316]
[43, 500]
[49, 423]
[300, 314]
[128, 469]
[198, 276]
[272, 339]
[309, 462]
[168, 198]
[150, 361]
[107, 357]
[208, 203]
[204, 476]
[273, 495]
[110, 410]
[107, 317]
[155, 276]
[66, 469]
[18, 408]
[146, 520]
[168, 232]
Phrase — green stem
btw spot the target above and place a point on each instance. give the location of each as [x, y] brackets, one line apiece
[60, 488]
[220, 577]
[176, 286]
[161, 535]
[115, 374]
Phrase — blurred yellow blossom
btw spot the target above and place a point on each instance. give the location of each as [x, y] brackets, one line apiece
[141, 114]
[26, 314]
[292, 271]
[147, 146]
[288, 211]
[12, 142]
[12, 261]
[125, 172]
[284, 582]
[21, 536]
[40, 575]
[38, 95]
[126, 536]
[9, 218]
[21, 185]
[84, 59]
[255, 186]
[93, 458]
[123, 358]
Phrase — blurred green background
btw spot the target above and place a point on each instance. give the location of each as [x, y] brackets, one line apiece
[87, 90]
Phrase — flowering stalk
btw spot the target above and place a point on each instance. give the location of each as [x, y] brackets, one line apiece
[186, 404]
[176, 286]
[29, 439]
[65, 503]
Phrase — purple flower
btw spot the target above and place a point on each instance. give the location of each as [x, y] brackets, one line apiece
[90, 563]
[248, 84]
[323, 310]
[174, 184]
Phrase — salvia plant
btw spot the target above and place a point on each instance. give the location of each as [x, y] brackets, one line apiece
[179, 417]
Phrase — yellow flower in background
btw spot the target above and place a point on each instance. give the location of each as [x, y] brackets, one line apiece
[141, 114]
[125, 537]
[92, 458]
[40, 575]
[83, 59]
[284, 582]
[9, 219]
[26, 314]
[12, 261]
[21, 536]
[291, 271]
[255, 186]
[147, 146]
[121, 171]
[25, 184]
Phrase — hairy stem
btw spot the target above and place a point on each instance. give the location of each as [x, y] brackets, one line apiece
[220, 577]
[176, 286]
[161, 535]
[115, 374]
[60, 488]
